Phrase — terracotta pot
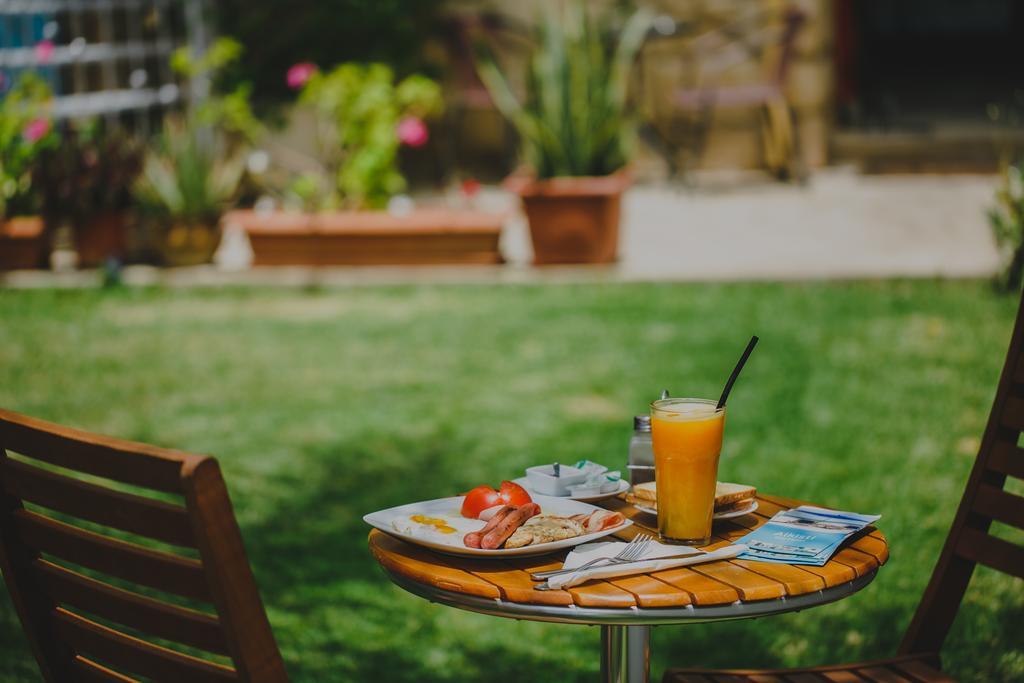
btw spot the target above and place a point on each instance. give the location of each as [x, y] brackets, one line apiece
[189, 245]
[573, 220]
[103, 236]
[428, 236]
[22, 243]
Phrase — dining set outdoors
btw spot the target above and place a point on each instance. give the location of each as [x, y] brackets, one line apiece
[566, 543]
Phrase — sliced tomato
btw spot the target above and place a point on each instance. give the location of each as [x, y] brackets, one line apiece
[483, 497]
[479, 499]
[514, 494]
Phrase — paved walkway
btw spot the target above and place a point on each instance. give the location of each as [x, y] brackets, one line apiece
[841, 225]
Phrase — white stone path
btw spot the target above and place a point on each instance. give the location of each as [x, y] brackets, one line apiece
[840, 225]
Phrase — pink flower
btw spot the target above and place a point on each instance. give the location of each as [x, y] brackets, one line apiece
[470, 187]
[412, 131]
[299, 73]
[36, 129]
[44, 51]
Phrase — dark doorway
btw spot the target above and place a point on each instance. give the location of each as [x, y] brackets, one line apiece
[912, 64]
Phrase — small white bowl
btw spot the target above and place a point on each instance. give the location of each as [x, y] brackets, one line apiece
[542, 479]
[587, 490]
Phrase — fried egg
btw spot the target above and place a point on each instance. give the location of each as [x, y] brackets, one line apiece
[447, 529]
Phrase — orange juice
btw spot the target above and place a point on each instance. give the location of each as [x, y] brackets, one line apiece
[687, 438]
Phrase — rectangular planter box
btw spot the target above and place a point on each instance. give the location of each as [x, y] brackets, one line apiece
[365, 238]
[22, 243]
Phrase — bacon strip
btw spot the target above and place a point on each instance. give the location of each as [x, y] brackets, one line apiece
[599, 520]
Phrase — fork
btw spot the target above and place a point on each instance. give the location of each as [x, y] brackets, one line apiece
[634, 550]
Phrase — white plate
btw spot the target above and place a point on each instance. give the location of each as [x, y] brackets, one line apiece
[718, 515]
[452, 543]
[622, 488]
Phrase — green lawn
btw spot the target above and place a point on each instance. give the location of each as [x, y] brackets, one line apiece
[325, 405]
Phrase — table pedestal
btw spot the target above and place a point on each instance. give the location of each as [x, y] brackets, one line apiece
[625, 654]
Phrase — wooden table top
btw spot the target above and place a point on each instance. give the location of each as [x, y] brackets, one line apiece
[714, 583]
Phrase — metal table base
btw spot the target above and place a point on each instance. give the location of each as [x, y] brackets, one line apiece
[625, 653]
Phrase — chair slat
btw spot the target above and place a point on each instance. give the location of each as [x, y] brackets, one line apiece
[1007, 459]
[999, 505]
[146, 614]
[920, 671]
[137, 656]
[128, 512]
[881, 674]
[991, 551]
[123, 461]
[87, 671]
[1013, 413]
[156, 569]
[841, 677]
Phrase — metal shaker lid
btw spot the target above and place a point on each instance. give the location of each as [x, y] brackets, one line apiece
[642, 423]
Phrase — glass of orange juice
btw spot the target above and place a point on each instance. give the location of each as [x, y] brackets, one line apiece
[687, 437]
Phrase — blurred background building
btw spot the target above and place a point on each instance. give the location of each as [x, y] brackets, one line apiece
[914, 85]
[925, 85]
[786, 88]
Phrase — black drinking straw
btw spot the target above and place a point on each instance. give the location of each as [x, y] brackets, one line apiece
[736, 372]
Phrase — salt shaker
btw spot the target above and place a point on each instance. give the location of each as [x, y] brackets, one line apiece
[641, 452]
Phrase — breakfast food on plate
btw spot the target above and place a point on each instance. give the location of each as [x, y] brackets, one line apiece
[489, 519]
[517, 526]
[549, 528]
[484, 498]
[599, 520]
[439, 528]
[501, 526]
[544, 529]
[728, 496]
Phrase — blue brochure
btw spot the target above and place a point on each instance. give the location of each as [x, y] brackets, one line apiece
[804, 535]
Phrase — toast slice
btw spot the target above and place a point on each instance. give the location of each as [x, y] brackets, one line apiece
[728, 496]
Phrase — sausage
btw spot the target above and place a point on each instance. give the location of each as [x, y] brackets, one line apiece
[507, 526]
[473, 538]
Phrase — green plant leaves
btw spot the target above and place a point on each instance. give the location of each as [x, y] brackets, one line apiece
[188, 179]
[359, 108]
[574, 118]
[1006, 219]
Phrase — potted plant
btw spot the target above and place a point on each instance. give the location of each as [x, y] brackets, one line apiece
[25, 131]
[345, 208]
[87, 182]
[1006, 219]
[187, 182]
[575, 129]
[194, 168]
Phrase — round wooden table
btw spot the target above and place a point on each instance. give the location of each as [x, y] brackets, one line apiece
[627, 607]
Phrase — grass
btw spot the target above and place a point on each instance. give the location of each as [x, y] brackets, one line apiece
[324, 405]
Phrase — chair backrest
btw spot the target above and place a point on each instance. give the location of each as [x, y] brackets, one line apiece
[984, 501]
[96, 604]
[785, 50]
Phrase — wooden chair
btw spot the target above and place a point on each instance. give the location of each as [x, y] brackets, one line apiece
[91, 599]
[969, 543]
[756, 36]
